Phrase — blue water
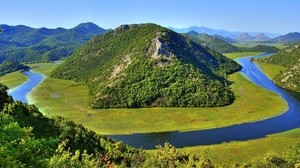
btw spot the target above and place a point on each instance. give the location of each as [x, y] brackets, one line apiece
[287, 121]
[20, 93]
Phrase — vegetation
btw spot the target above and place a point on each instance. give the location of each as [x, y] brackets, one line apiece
[149, 66]
[25, 44]
[213, 42]
[9, 66]
[288, 58]
[260, 48]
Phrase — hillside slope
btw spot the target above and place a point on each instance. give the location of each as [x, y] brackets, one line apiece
[25, 44]
[213, 42]
[8, 66]
[148, 66]
[289, 58]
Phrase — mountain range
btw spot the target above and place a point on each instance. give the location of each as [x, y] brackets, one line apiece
[220, 32]
[146, 65]
[26, 44]
[219, 44]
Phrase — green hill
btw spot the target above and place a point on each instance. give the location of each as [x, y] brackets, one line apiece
[213, 42]
[8, 66]
[289, 58]
[221, 46]
[148, 66]
[25, 44]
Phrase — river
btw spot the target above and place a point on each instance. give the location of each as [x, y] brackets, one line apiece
[246, 131]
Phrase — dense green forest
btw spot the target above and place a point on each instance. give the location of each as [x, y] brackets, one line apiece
[8, 66]
[25, 44]
[148, 66]
[221, 46]
[29, 139]
[289, 58]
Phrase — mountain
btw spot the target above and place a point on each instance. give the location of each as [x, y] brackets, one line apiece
[220, 32]
[261, 37]
[289, 58]
[8, 66]
[22, 43]
[146, 65]
[221, 46]
[288, 38]
[244, 37]
[213, 42]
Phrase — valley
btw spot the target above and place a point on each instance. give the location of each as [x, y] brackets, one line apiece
[70, 99]
[147, 84]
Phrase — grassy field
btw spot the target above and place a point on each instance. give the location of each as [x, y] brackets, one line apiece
[271, 70]
[70, 99]
[12, 80]
[247, 151]
[241, 54]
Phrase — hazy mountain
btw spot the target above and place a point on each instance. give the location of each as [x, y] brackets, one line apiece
[244, 37]
[221, 32]
[261, 37]
[288, 38]
[147, 65]
[22, 43]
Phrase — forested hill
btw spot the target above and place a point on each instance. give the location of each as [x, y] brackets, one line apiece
[289, 58]
[147, 65]
[25, 44]
[220, 45]
[213, 42]
[8, 66]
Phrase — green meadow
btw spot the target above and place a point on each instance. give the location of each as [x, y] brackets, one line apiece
[13, 80]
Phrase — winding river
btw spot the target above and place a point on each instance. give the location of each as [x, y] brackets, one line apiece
[246, 131]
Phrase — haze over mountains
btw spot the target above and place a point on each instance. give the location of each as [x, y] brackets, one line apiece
[221, 44]
[22, 43]
[221, 32]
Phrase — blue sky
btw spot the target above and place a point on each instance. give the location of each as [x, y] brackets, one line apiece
[276, 16]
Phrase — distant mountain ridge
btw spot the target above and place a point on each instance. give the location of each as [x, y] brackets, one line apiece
[288, 38]
[221, 45]
[221, 32]
[23, 43]
[146, 65]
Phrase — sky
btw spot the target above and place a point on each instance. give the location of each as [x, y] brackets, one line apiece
[275, 16]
